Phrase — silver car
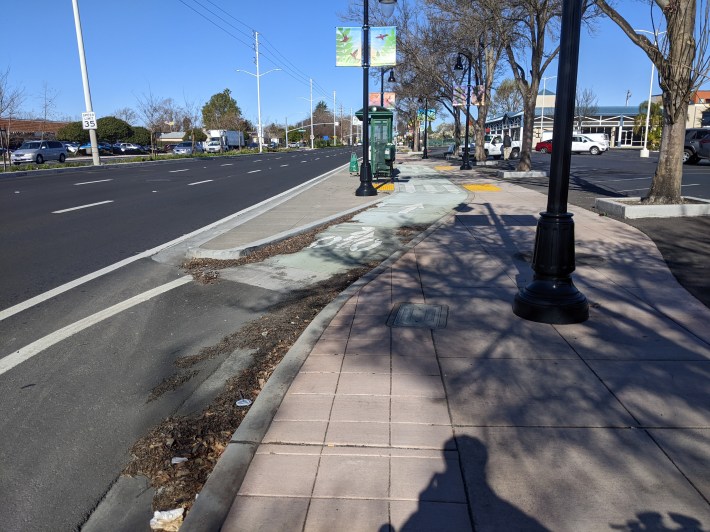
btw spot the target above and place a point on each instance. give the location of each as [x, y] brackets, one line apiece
[39, 151]
[185, 148]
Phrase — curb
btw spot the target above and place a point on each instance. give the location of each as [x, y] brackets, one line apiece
[212, 507]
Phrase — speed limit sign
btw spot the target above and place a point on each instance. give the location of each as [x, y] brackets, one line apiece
[88, 120]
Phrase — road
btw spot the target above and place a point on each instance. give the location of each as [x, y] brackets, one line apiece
[63, 226]
[75, 383]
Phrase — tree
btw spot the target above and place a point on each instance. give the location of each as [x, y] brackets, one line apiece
[112, 129]
[126, 114]
[585, 104]
[150, 108]
[655, 123]
[73, 132]
[48, 100]
[506, 99]
[195, 135]
[11, 99]
[682, 61]
[222, 112]
[141, 135]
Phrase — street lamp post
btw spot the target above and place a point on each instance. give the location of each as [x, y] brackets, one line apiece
[259, 132]
[551, 296]
[425, 154]
[382, 83]
[366, 188]
[465, 163]
[644, 150]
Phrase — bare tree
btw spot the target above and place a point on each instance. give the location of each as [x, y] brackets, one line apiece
[152, 110]
[585, 105]
[127, 115]
[48, 100]
[507, 97]
[681, 57]
[11, 99]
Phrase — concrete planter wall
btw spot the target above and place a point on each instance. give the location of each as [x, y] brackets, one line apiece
[624, 208]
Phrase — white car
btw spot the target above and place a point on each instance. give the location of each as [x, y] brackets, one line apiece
[582, 144]
[213, 146]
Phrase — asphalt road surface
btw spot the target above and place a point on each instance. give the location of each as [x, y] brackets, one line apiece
[71, 414]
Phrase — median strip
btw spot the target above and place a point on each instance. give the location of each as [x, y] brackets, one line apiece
[82, 207]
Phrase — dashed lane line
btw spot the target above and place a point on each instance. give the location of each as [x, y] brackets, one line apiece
[176, 171]
[253, 171]
[92, 182]
[21, 355]
[82, 207]
[200, 182]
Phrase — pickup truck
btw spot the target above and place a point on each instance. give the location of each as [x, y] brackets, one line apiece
[494, 147]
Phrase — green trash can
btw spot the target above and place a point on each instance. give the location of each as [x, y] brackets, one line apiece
[382, 148]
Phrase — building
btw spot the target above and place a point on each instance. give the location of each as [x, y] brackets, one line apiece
[22, 129]
[617, 121]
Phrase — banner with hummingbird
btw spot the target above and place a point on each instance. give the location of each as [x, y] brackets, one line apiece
[383, 46]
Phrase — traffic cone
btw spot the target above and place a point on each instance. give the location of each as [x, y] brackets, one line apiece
[354, 169]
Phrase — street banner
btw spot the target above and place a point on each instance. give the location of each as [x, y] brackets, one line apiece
[383, 46]
[477, 95]
[431, 115]
[389, 99]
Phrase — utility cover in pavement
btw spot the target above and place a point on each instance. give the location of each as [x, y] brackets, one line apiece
[418, 315]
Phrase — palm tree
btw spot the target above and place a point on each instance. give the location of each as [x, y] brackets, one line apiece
[655, 123]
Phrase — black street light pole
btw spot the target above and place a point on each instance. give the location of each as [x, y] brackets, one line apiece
[425, 155]
[366, 188]
[465, 164]
[382, 83]
[551, 297]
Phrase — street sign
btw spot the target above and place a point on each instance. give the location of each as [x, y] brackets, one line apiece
[313, 137]
[88, 120]
[301, 130]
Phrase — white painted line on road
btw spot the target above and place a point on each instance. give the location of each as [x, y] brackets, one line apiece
[49, 294]
[82, 207]
[627, 179]
[283, 165]
[200, 182]
[317, 158]
[227, 164]
[253, 171]
[691, 185]
[431, 189]
[304, 161]
[92, 182]
[175, 171]
[27, 352]
[258, 161]
[632, 189]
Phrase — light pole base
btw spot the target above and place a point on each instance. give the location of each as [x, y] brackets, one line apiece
[644, 152]
[365, 188]
[551, 300]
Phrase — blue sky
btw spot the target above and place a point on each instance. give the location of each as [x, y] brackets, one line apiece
[136, 47]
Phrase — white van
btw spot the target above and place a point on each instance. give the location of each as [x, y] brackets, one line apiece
[601, 138]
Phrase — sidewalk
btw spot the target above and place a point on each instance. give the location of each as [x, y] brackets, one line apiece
[425, 404]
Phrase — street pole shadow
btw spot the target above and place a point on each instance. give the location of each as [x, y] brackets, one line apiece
[484, 508]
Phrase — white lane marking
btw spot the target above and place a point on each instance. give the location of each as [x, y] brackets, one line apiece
[258, 161]
[411, 208]
[431, 189]
[283, 165]
[691, 185]
[625, 179]
[27, 352]
[253, 171]
[304, 161]
[452, 188]
[200, 182]
[317, 158]
[92, 182]
[227, 164]
[82, 207]
[49, 294]
[175, 171]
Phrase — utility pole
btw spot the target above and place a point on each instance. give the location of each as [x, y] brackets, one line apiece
[351, 126]
[258, 89]
[312, 136]
[286, 133]
[85, 80]
[335, 138]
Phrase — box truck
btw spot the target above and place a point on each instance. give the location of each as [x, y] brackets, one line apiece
[223, 140]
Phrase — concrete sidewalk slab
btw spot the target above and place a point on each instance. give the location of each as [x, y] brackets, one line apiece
[490, 422]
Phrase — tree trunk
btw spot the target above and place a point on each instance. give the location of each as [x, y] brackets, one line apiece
[525, 164]
[666, 183]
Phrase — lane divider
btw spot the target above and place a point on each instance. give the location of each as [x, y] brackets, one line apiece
[27, 352]
[200, 182]
[92, 182]
[82, 207]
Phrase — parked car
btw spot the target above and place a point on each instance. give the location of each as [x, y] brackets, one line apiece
[185, 148]
[124, 148]
[71, 147]
[39, 151]
[693, 137]
[104, 148]
[213, 146]
[544, 146]
[704, 147]
[169, 148]
[583, 144]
